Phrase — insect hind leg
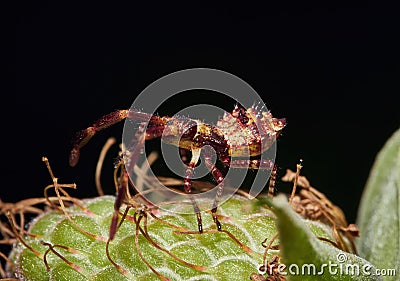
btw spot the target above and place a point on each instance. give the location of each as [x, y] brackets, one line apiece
[255, 164]
[218, 176]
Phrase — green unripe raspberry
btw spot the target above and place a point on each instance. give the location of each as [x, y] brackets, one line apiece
[221, 257]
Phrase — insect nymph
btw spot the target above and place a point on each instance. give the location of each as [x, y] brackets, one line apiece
[244, 132]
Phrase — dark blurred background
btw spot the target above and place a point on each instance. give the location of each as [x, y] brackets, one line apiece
[333, 72]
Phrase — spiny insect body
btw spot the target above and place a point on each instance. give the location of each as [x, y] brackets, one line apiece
[245, 133]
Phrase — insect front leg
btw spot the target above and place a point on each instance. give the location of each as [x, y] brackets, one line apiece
[184, 156]
[127, 166]
[130, 158]
[120, 197]
[187, 183]
[84, 136]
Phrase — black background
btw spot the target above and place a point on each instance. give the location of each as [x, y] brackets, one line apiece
[331, 71]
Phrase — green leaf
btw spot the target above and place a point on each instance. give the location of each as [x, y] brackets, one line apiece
[308, 258]
[379, 212]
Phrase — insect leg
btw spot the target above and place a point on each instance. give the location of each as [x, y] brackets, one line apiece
[187, 182]
[130, 159]
[218, 176]
[184, 155]
[84, 136]
[256, 164]
[272, 181]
